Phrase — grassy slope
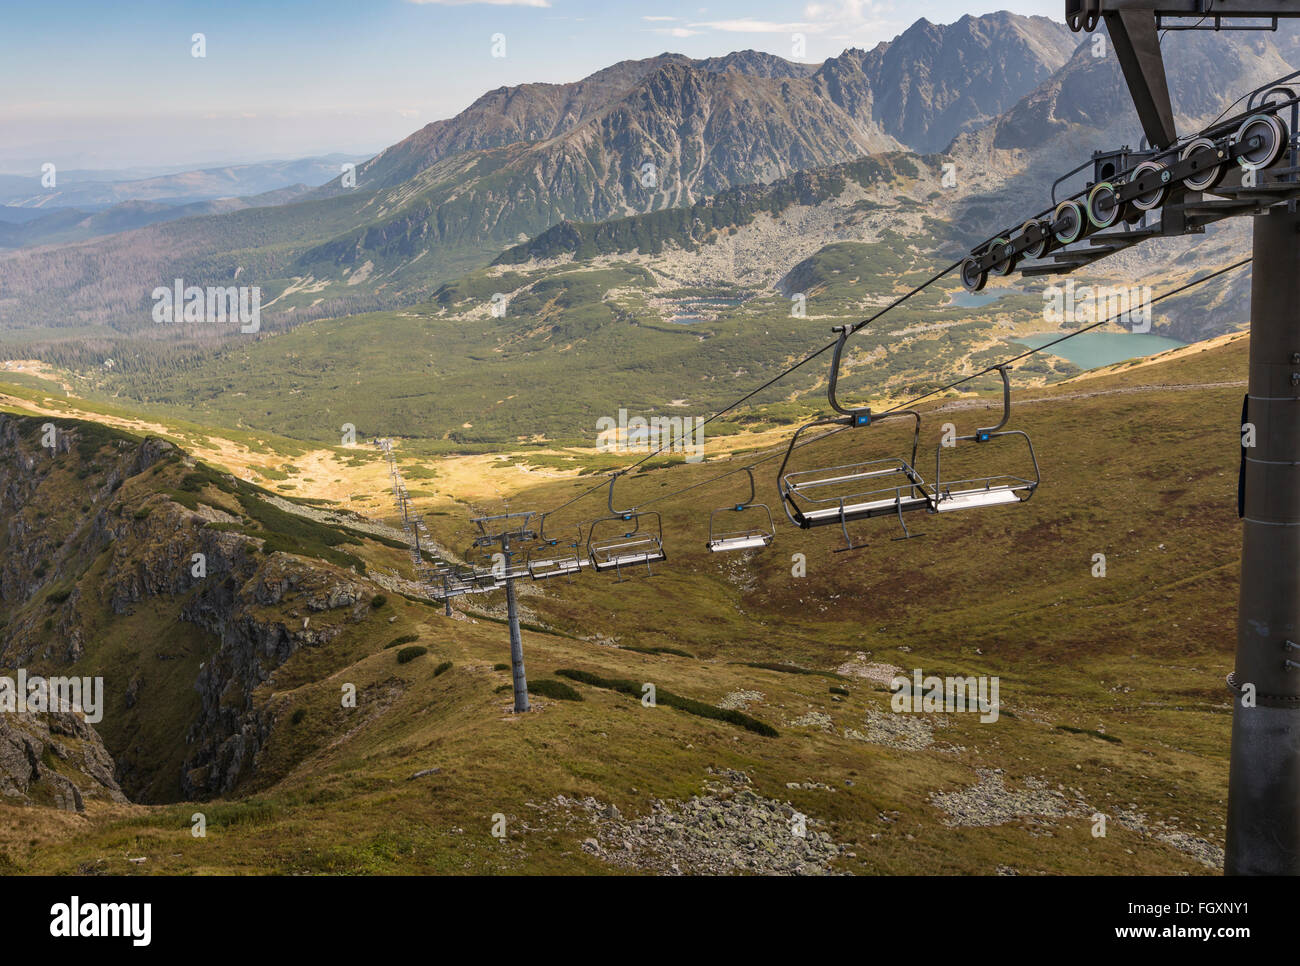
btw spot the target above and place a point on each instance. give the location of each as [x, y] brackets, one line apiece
[1146, 478]
[431, 371]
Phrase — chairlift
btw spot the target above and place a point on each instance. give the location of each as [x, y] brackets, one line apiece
[634, 537]
[449, 585]
[501, 566]
[748, 531]
[985, 491]
[852, 491]
[554, 556]
[458, 581]
[482, 581]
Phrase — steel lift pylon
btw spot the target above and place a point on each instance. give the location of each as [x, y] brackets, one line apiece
[1264, 774]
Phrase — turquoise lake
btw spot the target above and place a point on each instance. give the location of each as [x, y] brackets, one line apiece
[1093, 349]
[691, 307]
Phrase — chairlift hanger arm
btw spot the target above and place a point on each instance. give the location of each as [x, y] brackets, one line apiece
[844, 332]
[749, 471]
[855, 416]
[625, 514]
[982, 435]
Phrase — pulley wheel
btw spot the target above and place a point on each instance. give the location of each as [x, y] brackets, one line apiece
[971, 276]
[1006, 261]
[1209, 171]
[1103, 205]
[1272, 140]
[1069, 222]
[1039, 238]
[1157, 174]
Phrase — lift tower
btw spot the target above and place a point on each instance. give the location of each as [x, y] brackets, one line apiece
[1264, 777]
[510, 531]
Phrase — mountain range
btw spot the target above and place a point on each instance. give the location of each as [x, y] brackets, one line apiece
[455, 193]
[92, 190]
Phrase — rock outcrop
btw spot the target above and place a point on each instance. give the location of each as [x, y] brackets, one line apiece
[54, 758]
[101, 527]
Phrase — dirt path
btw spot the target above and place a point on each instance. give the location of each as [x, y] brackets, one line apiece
[960, 404]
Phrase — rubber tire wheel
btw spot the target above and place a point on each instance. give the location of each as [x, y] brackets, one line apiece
[1075, 211]
[1005, 266]
[1104, 189]
[1207, 179]
[1041, 247]
[971, 278]
[1275, 140]
[1152, 199]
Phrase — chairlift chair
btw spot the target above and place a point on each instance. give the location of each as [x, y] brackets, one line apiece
[458, 582]
[555, 556]
[637, 539]
[486, 562]
[483, 581]
[751, 533]
[852, 491]
[985, 491]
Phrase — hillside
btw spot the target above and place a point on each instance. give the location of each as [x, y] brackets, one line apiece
[74, 224]
[676, 312]
[1111, 689]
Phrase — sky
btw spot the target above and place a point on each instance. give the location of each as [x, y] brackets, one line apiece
[89, 84]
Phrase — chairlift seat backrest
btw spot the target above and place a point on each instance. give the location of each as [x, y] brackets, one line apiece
[751, 541]
[556, 567]
[625, 551]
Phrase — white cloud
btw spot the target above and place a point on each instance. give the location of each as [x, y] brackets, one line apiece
[856, 18]
[659, 19]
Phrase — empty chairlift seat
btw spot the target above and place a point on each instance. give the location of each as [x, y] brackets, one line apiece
[630, 549]
[626, 538]
[853, 491]
[997, 489]
[750, 528]
[565, 564]
[555, 557]
[843, 493]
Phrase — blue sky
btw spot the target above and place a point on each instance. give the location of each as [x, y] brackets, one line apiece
[94, 84]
